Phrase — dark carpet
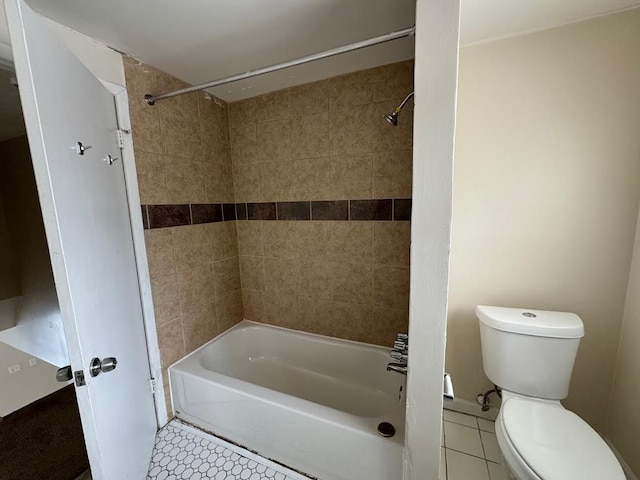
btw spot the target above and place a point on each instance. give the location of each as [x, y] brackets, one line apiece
[44, 440]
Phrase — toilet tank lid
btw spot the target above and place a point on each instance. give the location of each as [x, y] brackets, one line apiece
[540, 323]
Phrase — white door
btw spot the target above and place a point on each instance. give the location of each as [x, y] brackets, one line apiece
[85, 211]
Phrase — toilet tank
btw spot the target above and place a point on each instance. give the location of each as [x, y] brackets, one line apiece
[530, 352]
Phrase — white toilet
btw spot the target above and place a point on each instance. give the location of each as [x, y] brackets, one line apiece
[530, 355]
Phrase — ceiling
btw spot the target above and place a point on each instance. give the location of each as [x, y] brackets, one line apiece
[203, 40]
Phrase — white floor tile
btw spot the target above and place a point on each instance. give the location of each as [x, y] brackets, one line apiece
[465, 467]
[496, 472]
[463, 439]
[460, 418]
[443, 465]
[491, 447]
[487, 425]
[184, 452]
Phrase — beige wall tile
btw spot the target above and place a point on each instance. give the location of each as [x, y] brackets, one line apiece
[245, 151]
[387, 138]
[315, 279]
[250, 238]
[152, 180]
[246, 183]
[179, 121]
[274, 140]
[229, 310]
[392, 174]
[280, 239]
[314, 315]
[351, 89]
[351, 130]
[199, 325]
[353, 176]
[253, 304]
[145, 119]
[227, 276]
[281, 275]
[218, 183]
[166, 299]
[314, 239]
[392, 81]
[352, 242]
[185, 180]
[171, 342]
[159, 243]
[391, 287]
[214, 130]
[352, 283]
[352, 321]
[310, 135]
[223, 240]
[309, 99]
[273, 106]
[252, 272]
[392, 243]
[192, 246]
[242, 112]
[281, 309]
[196, 286]
[387, 323]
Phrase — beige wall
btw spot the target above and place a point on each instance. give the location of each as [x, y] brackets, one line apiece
[182, 156]
[326, 140]
[546, 188]
[624, 414]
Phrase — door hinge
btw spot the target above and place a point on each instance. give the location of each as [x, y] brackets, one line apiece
[154, 385]
[121, 134]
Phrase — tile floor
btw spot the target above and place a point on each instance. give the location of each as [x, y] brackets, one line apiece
[469, 452]
[182, 452]
[469, 449]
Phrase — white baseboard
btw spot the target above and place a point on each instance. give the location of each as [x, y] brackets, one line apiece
[471, 408]
[625, 468]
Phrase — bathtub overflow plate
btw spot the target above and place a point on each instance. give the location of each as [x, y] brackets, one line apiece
[386, 429]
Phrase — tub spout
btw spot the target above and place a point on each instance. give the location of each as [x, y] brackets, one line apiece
[397, 367]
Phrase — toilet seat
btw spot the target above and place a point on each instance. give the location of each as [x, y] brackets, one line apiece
[555, 443]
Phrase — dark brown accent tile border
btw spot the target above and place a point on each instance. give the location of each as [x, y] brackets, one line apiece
[228, 212]
[378, 209]
[371, 210]
[262, 211]
[241, 211]
[294, 210]
[330, 210]
[402, 209]
[205, 213]
[168, 215]
[145, 218]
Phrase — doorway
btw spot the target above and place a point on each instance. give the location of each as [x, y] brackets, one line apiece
[40, 430]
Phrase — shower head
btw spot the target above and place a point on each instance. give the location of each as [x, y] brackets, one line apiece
[392, 117]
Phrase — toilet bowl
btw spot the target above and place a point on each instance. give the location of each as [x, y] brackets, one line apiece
[530, 355]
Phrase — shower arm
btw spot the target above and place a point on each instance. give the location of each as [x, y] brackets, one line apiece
[404, 102]
[407, 32]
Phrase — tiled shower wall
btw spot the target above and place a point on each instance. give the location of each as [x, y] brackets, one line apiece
[182, 158]
[324, 145]
[317, 142]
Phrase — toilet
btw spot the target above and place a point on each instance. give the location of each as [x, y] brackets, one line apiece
[530, 355]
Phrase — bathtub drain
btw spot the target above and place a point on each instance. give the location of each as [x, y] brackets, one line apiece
[386, 429]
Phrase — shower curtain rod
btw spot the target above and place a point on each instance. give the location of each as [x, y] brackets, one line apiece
[407, 32]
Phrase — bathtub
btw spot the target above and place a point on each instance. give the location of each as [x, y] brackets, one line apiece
[310, 402]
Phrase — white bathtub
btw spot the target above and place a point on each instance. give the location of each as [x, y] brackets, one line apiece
[310, 402]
